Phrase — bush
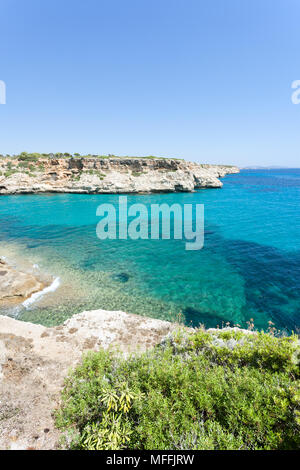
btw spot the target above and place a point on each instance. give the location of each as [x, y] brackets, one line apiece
[194, 391]
[10, 172]
[29, 157]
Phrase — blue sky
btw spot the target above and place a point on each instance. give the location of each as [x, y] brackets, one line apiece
[205, 80]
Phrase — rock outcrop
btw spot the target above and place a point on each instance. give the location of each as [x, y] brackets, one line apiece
[107, 175]
[16, 286]
[34, 360]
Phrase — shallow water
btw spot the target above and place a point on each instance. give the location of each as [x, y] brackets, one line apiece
[249, 266]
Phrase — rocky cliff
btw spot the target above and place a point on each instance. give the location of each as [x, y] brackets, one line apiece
[107, 175]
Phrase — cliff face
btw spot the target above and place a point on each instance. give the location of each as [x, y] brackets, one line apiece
[107, 175]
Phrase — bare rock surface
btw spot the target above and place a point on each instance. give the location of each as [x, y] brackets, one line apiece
[16, 286]
[108, 175]
[34, 360]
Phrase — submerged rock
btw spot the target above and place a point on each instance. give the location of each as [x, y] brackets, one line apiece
[122, 277]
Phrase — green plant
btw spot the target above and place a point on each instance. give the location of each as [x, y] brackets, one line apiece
[114, 429]
[191, 392]
[29, 157]
[23, 164]
[111, 433]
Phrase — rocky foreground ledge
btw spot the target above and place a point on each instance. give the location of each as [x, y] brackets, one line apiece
[34, 361]
[25, 174]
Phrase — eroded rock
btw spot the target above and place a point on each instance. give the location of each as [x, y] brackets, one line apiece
[16, 286]
[109, 175]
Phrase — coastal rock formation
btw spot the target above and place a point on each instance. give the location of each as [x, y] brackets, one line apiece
[34, 360]
[107, 175]
[16, 286]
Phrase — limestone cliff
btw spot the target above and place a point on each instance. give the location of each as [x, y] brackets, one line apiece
[107, 175]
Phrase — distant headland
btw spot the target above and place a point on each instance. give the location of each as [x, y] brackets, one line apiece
[66, 173]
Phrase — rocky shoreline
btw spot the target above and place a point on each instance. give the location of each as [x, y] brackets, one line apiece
[16, 285]
[107, 175]
[34, 360]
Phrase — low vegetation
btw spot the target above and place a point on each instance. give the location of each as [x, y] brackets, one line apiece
[201, 390]
[33, 157]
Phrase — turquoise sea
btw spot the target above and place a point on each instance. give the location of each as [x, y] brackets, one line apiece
[249, 266]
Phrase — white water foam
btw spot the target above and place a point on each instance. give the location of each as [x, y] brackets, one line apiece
[37, 295]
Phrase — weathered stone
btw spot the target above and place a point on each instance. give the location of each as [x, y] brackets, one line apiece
[16, 286]
[34, 360]
[109, 175]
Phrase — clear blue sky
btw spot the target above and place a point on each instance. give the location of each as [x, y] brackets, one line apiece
[207, 80]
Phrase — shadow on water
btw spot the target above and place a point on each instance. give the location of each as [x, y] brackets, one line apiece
[194, 318]
[271, 276]
[272, 280]
[121, 277]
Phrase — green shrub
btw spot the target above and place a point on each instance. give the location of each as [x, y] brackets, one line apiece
[259, 350]
[101, 176]
[23, 164]
[191, 392]
[29, 157]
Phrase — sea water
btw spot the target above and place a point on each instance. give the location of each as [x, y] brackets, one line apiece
[249, 267]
